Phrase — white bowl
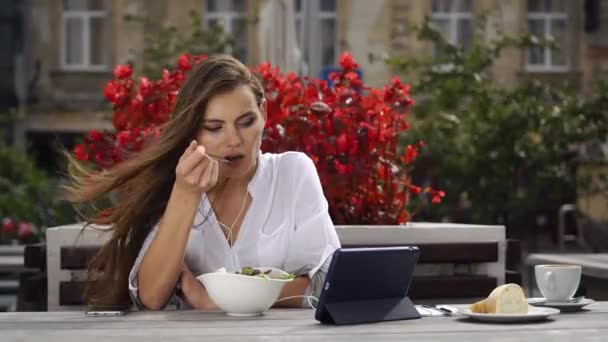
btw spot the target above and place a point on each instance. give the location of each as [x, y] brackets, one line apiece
[242, 295]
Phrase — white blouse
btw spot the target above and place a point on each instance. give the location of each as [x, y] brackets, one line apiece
[287, 225]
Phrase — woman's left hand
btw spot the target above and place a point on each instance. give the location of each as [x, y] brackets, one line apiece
[194, 292]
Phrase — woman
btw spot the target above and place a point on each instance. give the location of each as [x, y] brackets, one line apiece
[204, 197]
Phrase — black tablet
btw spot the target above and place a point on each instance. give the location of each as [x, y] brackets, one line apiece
[365, 285]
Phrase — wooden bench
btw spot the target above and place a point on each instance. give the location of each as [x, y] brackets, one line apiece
[467, 268]
[423, 287]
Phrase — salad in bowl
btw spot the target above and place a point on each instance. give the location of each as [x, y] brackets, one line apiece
[247, 292]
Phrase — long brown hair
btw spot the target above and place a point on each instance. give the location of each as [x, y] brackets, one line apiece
[143, 182]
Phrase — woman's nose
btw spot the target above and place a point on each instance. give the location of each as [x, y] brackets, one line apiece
[233, 137]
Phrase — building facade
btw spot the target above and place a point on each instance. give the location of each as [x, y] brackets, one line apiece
[60, 53]
[67, 48]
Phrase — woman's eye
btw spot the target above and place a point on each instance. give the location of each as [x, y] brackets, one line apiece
[213, 129]
[248, 122]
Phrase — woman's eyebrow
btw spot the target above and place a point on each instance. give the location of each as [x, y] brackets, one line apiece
[249, 112]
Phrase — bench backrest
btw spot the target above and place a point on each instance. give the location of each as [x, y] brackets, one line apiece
[456, 261]
[62, 246]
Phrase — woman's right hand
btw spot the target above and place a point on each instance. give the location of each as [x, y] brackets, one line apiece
[196, 172]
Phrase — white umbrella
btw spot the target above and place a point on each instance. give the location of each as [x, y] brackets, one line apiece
[277, 35]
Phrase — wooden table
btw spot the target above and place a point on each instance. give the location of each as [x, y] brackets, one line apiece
[294, 324]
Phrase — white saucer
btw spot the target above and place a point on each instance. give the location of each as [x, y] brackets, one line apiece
[534, 314]
[562, 306]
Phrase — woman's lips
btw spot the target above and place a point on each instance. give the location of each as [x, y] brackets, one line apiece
[234, 157]
[235, 160]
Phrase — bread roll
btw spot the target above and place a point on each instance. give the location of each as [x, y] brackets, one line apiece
[505, 299]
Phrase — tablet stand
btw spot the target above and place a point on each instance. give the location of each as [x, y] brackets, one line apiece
[371, 310]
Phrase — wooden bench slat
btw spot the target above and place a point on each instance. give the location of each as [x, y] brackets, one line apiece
[77, 258]
[33, 286]
[71, 292]
[34, 256]
[11, 250]
[9, 286]
[469, 286]
[422, 287]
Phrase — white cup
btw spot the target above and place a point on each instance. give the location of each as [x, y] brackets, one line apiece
[557, 283]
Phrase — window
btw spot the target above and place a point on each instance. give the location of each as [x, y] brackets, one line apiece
[232, 16]
[548, 19]
[323, 22]
[83, 35]
[454, 19]
[596, 23]
[11, 36]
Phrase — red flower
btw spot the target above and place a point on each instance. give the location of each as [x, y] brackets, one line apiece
[415, 190]
[353, 78]
[95, 135]
[382, 171]
[348, 62]
[26, 230]
[81, 152]
[341, 168]
[411, 152]
[122, 71]
[111, 91]
[104, 213]
[403, 218]
[183, 62]
[342, 143]
[121, 120]
[8, 226]
[145, 87]
[437, 196]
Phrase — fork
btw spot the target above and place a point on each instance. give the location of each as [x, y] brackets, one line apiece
[441, 308]
[219, 159]
[447, 308]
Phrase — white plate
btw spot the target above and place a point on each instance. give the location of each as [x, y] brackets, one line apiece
[562, 306]
[534, 314]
